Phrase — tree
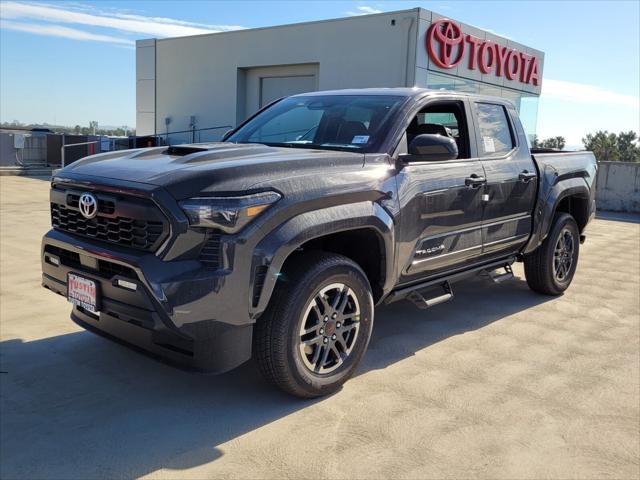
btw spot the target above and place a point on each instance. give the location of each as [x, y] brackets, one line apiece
[535, 141]
[556, 143]
[609, 147]
[628, 147]
[560, 142]
[13, 124]
[603, 144]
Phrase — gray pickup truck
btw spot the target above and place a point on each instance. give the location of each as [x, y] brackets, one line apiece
[277, 242]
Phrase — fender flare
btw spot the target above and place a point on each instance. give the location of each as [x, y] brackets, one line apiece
[547, 205]
[273, 250]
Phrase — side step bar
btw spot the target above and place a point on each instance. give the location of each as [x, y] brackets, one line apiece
[498, 277]
[405, 292]
[418, 297]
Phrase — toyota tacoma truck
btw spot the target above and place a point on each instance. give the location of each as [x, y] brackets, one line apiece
[277, 242]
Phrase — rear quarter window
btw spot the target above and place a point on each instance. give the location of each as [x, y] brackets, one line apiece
[495, 132]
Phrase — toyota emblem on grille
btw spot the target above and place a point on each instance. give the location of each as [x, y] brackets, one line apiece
[88, 205]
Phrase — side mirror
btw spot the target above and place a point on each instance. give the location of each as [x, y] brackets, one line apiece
[428, 147]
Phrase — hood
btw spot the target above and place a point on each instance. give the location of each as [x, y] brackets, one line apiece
[188, 169]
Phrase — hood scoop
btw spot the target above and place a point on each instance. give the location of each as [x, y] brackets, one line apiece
[183, 150]
[219, 151]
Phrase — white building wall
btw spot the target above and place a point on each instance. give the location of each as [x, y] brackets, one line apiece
[217, 80]
[205, 76]
[145, 87]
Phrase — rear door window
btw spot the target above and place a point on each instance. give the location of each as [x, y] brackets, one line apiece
[495, 132]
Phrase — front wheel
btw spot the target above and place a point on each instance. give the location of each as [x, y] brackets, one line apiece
[317, 326]
[551, 267]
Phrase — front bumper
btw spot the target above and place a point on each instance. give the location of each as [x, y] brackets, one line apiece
[181, 312]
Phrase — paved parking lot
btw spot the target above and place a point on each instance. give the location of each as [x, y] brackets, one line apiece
[498, 383]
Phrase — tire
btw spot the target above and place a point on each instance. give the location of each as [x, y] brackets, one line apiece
[543, 268]
[296, 307]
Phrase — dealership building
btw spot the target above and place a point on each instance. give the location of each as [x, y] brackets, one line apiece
[196, 88]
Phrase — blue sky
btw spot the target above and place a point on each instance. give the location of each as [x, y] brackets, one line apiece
[77, 63]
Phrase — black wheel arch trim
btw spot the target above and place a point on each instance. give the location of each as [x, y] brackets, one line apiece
[274, 249]
[549, 198]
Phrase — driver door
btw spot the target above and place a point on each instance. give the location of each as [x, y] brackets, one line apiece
[440, 201]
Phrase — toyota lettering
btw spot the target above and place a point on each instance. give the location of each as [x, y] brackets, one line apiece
[447, 45]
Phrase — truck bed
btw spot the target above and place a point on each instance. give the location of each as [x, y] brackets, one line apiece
[565, 164]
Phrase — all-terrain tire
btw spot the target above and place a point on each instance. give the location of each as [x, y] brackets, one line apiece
[541, 266]
[277, 340]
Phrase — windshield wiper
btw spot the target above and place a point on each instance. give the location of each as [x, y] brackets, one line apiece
[308, 146]
[285, 144]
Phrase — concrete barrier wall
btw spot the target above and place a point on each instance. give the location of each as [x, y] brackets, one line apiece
[618, 187]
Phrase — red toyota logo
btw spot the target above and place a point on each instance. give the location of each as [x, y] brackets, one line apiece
[448, 36]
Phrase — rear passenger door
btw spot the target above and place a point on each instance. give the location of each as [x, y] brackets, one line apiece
[510, 191]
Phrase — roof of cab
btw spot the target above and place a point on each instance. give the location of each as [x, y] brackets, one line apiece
[397, 91]
[405, 92]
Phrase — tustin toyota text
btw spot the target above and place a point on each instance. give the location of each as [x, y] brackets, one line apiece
[277, 242]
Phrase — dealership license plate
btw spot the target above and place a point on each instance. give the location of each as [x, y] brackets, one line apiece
[82, 292]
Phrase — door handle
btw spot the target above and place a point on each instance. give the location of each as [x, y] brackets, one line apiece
[474, 181]
[526, 176]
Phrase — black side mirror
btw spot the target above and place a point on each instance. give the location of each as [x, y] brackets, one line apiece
[428, 147]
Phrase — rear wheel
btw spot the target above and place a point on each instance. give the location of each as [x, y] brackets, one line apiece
[550, 268]
[317, 326]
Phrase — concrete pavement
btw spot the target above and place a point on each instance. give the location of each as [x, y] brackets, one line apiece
[498, 383]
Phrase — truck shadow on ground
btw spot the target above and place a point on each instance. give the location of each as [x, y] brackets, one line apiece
[79, 406]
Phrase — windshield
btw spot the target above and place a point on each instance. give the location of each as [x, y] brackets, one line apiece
[334, 122]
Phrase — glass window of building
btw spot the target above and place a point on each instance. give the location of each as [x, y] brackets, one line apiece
[440, 82]
[526, 103]
[529, 114]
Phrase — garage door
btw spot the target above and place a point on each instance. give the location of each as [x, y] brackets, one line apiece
[258, 86]
[272, 88]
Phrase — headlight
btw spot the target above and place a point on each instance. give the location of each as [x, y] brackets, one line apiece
[229, 214]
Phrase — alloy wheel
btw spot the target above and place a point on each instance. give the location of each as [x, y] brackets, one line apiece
[563, 255]
[329, 328]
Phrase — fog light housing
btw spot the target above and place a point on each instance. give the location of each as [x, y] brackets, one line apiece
[52, 260]
[126, 284]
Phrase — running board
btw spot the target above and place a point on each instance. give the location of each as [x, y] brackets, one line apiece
[405, 292]
[419, 299]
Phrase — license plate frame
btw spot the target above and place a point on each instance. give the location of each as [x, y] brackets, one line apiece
[83, 292]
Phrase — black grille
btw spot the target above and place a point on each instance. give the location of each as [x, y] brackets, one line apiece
[105, 269]
[70, 259]
[109, 269]
[124, 231]
[211, 253]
